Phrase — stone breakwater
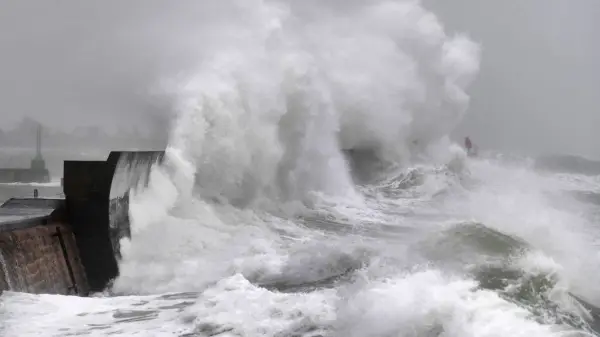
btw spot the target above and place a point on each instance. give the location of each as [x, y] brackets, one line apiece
[38, 251]
[70, 246]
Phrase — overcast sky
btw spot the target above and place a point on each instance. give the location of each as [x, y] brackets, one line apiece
[80, 63]
[68, 62]
[539, 85]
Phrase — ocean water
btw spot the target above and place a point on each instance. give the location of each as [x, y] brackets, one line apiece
[24, 190]
[310, 189]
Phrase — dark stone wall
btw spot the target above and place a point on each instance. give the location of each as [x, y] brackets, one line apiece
[3, 276]
[37, 260]
[87, 188]
[90, 225]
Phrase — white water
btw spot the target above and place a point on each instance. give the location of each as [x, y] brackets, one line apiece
[53, 183]
[280, 89]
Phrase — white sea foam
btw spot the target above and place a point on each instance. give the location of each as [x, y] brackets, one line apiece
[255, 210]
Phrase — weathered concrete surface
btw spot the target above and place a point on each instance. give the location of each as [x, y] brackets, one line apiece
[35, 261]
[3, 274]
[38, 253]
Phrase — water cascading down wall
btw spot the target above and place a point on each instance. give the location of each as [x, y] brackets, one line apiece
[71, 245]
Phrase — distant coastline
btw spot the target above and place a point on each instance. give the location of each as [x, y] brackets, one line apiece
[18, 145]
[21, 138]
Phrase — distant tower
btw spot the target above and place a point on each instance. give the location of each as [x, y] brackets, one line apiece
[38, 162]
[38, 144]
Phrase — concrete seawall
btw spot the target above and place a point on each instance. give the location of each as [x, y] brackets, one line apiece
[70, 246]
[38, 253]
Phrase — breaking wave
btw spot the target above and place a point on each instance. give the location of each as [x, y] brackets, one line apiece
[310, 188]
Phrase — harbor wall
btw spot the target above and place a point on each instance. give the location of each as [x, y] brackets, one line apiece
[70, 246]
[41, 259]
[38, 252]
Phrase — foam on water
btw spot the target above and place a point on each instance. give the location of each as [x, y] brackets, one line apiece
[263, 119]
[536, 208]
[421, 303]
[254, 225]
[53, 183]
[428, 303]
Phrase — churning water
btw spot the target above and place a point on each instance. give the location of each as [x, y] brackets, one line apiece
[310, 189]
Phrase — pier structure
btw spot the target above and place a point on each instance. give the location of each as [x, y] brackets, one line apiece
[69, 245]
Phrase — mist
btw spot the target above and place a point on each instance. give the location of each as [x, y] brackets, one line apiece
[69, 63]
[537, 91]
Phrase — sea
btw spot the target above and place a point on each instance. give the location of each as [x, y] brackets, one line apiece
[310, 188]
[27, 190]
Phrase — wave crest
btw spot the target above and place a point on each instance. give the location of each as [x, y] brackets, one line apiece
[274, 101]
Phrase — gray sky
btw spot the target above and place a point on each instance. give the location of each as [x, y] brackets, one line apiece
[539, 85]
[70, 63]
[91, 62]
